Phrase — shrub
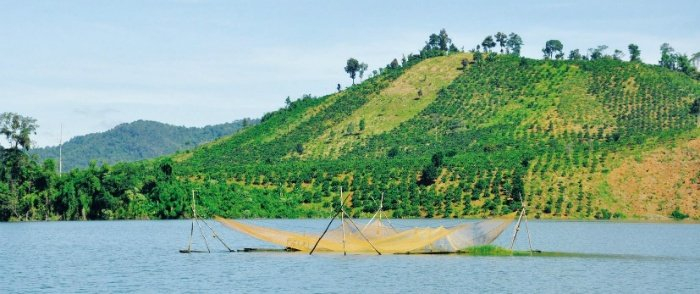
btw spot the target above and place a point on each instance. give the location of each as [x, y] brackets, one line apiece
[678, 215]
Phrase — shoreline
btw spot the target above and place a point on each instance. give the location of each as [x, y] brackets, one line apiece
[627, 220]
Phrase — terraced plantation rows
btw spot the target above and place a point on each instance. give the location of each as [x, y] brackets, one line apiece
[440, 134]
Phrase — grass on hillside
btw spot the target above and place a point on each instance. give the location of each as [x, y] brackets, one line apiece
[396, 104]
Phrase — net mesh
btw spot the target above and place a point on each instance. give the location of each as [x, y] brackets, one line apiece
[348, 237]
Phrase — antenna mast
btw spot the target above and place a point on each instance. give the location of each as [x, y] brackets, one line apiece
[60, 153]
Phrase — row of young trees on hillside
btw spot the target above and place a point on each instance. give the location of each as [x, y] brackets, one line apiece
[468, 153]
[440, 43]
[511, 43]
[554, 49]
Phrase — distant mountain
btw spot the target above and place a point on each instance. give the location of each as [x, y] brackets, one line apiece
[133, 141]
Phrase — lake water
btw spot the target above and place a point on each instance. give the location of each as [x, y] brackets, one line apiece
[142, 256]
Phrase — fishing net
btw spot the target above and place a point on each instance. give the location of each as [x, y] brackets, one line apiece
[378, 236]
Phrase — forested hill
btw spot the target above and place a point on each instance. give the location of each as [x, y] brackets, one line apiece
[579, 139]
[134, 141]
[442, 133]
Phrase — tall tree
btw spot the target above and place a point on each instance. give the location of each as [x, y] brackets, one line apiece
[634, 52]
[575, 55]
[684, 65]
[668, 56]
[618, 54]
[352, 67]
[514, 44]
[394, 64]
[362, 69]
[17, 129]
[444, 41]
[488, 43]
[695, 58]
[551, 47]
[433, 43]
[598, 52]
[501, 38]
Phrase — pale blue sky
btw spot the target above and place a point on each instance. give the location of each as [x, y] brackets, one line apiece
[91, 65]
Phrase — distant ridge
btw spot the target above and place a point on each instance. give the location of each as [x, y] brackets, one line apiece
[141, 139]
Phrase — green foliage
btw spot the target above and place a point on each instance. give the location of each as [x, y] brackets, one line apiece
[501, 39]
[440, 42]
[678, 215]
[485, 143]
[695, 107]
[486, 250]
[634, 53]
[136, 141]
[553, 48]
[513, 44]
[575, 55]
[17, 129]
[668, 57]
[352, 67]
[603, 214]
[393, 152]
[598, 52]
[488, 43]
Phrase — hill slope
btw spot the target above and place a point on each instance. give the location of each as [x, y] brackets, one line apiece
[134, 141]
[573, 136]
[574, 139]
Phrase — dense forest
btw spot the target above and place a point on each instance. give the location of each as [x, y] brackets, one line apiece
[134, 141]
[441, 133]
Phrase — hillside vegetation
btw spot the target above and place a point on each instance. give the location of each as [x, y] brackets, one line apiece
[134, 141]
[439, 134]
[563, 133]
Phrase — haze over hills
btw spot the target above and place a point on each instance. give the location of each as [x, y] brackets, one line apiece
[134, 141]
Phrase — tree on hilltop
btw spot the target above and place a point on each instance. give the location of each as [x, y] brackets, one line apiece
[438, 44]
[488, 43]
[634, 52]
[501, 38]
[362, 69]
[618, 54]
[514, 44]
[444, 41]
[352, 67]
[551, 47]
[695, 58]
[575, 55]
[598, 52]
[394, 64]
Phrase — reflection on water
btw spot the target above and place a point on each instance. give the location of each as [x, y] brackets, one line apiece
[129, 256]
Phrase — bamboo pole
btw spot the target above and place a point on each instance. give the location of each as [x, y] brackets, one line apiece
[517, 228]
[189, 244]
[529, 241]
[201, 232]
[363, 236]
[324, 232]
[216, 236]
[342, 218]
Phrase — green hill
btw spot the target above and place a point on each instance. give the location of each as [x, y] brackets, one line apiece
[133, 141]
[579, 139]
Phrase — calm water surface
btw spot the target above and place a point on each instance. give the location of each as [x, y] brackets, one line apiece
[142, 256]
